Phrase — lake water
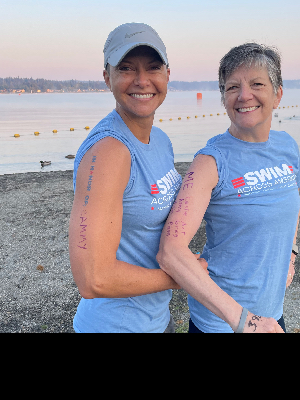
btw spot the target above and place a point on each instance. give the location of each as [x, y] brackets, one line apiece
[27, 113]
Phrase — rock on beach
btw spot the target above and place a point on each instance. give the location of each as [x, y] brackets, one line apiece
[37, 291]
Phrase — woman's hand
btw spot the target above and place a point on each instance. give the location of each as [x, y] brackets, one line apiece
[291, 270]
[257, 324]
[202, 262]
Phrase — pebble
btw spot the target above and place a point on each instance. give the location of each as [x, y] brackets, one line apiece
[37, 291]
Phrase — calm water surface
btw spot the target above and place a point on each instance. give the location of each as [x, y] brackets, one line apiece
[44, 113]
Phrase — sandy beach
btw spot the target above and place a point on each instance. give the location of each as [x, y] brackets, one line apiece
[37, 291]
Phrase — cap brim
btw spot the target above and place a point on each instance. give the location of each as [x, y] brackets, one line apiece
[119, 54]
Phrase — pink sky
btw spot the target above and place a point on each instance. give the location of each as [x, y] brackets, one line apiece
[63, 39]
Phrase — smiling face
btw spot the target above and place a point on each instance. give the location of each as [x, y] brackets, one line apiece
[139, 83]
[249, 101]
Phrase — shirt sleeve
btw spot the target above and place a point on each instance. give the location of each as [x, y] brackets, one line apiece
[221, 166]
[298, 169]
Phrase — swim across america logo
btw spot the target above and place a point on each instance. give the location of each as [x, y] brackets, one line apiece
[167, 187]
[164, 184]
[264, 179]
[154, 189]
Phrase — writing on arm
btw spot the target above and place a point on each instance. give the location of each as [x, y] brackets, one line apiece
[83, 216]
[188, 181]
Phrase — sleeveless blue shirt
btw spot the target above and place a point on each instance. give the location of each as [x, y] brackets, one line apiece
[251, 223]
[152, 188]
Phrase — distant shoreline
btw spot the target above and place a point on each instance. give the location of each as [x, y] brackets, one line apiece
[108, 91]
[29, 85]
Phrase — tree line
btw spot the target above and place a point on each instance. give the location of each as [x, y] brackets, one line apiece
[30, 85]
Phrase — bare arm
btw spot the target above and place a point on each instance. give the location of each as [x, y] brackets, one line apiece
[292, 271]
[176, 259]
[96, 225]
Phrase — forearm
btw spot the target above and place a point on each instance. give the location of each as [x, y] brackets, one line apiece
[296, 233]
[184, 269]
[121, 280]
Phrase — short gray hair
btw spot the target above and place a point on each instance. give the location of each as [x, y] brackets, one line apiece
[251, 54]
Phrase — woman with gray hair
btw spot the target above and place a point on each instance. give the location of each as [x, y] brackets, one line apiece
[244, 184]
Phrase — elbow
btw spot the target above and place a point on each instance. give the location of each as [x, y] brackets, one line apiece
[164, 259]
[89, 286]
[91, 290]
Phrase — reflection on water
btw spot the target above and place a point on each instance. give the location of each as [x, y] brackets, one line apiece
[182, 116]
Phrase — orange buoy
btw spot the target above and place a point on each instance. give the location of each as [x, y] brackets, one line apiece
[72, 129]
[199, 96]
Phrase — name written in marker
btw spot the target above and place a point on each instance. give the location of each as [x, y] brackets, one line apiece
[83, 226]
[188, 181]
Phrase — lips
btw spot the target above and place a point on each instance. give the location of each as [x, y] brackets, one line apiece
[141, 96]
[248, 109]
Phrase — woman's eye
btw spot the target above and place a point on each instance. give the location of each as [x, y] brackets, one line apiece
[155, 67]
[124, 68]
[231, 88]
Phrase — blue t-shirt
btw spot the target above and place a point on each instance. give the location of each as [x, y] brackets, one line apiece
[148, 198]
[251, 222]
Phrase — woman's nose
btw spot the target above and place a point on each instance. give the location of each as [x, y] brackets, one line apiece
[245, 93]
[141, 79]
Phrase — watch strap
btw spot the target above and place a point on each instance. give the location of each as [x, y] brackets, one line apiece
[295, 249]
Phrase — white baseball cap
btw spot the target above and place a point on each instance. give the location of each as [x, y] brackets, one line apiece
[128, 36]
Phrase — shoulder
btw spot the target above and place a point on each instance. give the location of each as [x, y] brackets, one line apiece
[105, 138]
[283, 142]
[110, 153]
[212, 160]
[204, 169]
[161, 141]
[108, 147]
[106, 164]
[214, 146]
[160, 135]
[282, 137]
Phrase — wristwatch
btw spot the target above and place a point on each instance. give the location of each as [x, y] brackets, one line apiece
[295, 249]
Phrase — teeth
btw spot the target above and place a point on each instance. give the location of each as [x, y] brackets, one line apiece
[142, 96]
[243, 110]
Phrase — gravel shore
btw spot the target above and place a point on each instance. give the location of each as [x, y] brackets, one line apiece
[37, 291]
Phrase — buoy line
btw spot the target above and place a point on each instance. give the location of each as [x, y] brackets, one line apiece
[211, 115]
[188, 117]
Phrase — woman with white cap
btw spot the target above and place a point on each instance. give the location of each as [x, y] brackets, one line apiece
[125, 184]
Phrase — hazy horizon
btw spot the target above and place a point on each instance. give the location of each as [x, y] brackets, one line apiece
[63, 39]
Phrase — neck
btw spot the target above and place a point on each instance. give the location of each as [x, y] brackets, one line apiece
[257, 134]
[140, 127]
